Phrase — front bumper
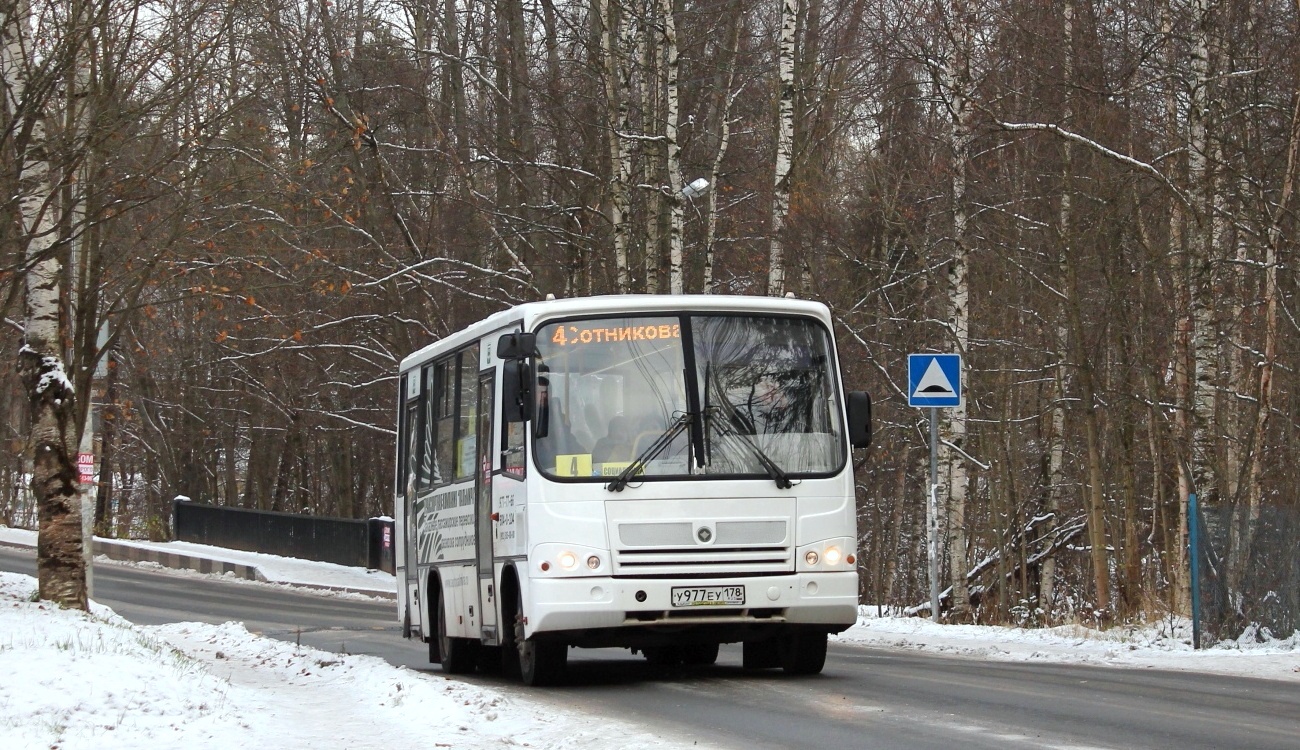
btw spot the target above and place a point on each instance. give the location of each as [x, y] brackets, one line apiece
[825, 600]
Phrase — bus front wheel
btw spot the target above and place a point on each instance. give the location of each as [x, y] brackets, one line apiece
[804, 653]
[540, 662]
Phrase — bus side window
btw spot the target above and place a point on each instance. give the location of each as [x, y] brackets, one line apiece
[512, 448]
[428, 466]
[466, 434]
[445, 407]
[410, 445]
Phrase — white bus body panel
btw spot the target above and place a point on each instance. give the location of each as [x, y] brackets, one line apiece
[646, 540]
[536, 518]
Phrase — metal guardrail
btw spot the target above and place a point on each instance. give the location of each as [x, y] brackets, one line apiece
[366, 543]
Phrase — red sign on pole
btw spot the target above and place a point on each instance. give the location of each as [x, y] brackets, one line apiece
[86, 468]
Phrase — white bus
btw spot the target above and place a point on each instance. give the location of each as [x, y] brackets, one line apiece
[660, 473]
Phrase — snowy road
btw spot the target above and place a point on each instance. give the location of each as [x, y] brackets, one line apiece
[866, 698]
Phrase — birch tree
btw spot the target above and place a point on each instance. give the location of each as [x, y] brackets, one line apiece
[956, 87]
[672, 146]
[616, 44]
[55, 435]
[785, 99]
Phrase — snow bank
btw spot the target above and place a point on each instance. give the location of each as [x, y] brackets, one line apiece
[75, 680]
[1163, 645]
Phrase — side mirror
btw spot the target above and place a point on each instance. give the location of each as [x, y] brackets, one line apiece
[516, 391]
[516, 346]
[859, 419]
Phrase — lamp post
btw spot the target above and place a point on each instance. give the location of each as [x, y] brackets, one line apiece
[697, 188]
[676, 273]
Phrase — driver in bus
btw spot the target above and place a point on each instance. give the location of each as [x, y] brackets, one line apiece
[617, 443]
[554, 438]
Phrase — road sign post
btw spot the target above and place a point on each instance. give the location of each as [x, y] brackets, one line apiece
[934, 382]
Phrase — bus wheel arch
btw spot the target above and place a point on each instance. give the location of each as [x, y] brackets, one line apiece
[433, 599]
[510, 597]
[458, 655]
[537, 661]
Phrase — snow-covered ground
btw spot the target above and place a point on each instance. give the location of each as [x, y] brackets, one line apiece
[76, 680]
[1163, 645]
[73, 680]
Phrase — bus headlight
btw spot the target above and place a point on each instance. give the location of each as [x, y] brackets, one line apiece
[835, 554]
[569, 560]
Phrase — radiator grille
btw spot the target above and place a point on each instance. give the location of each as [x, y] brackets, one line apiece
[711, 559]
[655, 534]
[703, 547]
[751, 532]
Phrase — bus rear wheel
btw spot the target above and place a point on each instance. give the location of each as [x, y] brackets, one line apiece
[540, 662]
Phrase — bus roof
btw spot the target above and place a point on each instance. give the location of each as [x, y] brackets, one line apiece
[530, 314]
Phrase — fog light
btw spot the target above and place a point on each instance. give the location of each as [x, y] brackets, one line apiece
[811, 557]
[593, 562]
[545, 566]
[833, 556]
[850, 559]
[568, 560]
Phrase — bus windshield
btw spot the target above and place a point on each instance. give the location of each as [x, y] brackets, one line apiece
[759, 394]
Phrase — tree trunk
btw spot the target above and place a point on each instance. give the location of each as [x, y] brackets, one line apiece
[1182, 340]
[957, 85]
[725, 99]
[672, 149]
[110, 414]
[54, 437]
[785, 93]
[615, 40]
[1202, 248]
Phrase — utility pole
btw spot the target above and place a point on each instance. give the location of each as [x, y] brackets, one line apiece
[934, 381]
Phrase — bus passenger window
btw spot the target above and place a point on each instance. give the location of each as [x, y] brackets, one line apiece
[466, 427]
[445, 408]
[428, 469]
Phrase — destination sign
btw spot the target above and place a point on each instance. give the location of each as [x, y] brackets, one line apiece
[582, 335]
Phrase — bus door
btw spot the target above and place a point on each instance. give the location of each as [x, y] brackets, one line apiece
[483, 505]
[409, 466]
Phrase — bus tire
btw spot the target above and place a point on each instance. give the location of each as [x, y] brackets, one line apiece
[804, 653]
[458, 654]
[540, 662]
[700, 654]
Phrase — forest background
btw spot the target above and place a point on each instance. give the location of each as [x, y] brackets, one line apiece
[255, 208]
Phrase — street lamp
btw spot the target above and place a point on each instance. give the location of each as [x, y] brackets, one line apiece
[697, 188]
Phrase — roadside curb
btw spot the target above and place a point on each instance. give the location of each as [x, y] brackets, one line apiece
[132, 553]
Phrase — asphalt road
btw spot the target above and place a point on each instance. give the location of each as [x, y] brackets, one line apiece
[864, 699]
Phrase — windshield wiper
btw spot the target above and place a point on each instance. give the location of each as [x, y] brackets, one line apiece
[681, 423]
[778, 474]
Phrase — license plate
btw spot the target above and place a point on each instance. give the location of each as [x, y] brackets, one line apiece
[708, 596]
